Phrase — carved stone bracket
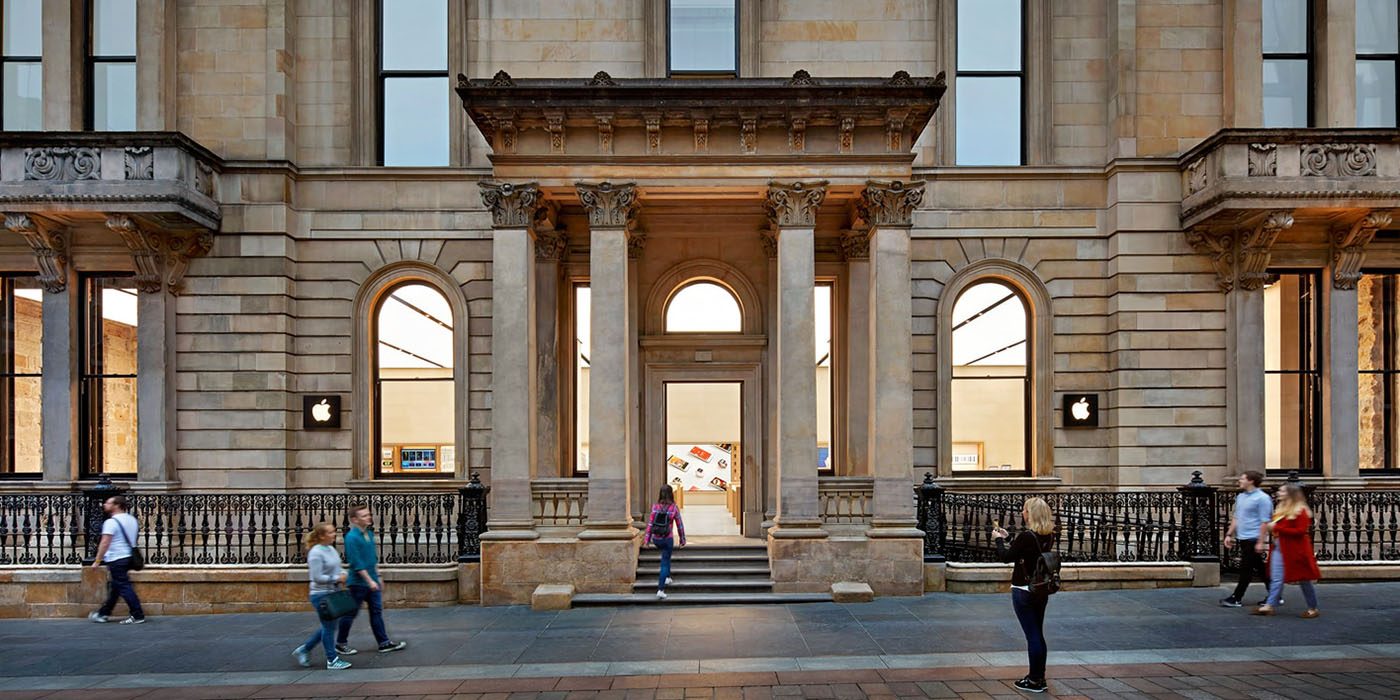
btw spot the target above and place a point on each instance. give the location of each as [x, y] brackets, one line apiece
[160, 258]
[50, 246]
[1349, 248]
[702, 135]
[1241, 259]
[855, 244]
[512, 205]
[768, 236]
[794, 203]
[797, 134]
[605, 132]
[748, 133]
[636, 241]
[609, 205]
[1219, 247]
[848, 132]
[890, 203]
[653, 124]
[554, 124]
[894, 130]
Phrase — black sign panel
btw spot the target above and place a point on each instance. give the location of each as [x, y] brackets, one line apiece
[320, 411]
[1081, 410]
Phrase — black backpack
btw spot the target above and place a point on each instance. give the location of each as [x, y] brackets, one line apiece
[660, 524]
[1045, 580]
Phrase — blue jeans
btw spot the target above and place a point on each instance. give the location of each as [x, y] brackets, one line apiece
[375, 603]
[1276, 583]
[1030, 612]
[325, 635]
[120, 585]
[666, 545]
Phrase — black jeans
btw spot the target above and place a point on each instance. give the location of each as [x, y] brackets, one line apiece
[1030, 612]
[120, 585]
[1251, 563]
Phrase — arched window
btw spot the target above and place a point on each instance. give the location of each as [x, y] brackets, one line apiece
[704, 307]
[414, 379]
[991, 380]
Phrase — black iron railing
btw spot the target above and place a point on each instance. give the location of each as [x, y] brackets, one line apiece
[241, 529]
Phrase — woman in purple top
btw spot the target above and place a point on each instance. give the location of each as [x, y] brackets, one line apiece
[664, 515]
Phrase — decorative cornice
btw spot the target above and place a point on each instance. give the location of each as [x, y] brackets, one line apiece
[794, 204]
[890, 203]
[609, 205]
[512, 205]
[1349, 248]
[160, 258]
[50, 245]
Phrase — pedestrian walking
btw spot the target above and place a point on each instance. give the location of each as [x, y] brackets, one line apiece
[1292, 559]
[664, 515]
[1031, 582]
[327, 576]
[115, 551]
[1248, 531]
[364, 583]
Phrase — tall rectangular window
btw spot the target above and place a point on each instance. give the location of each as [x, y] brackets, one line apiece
[413, 87]
[1292, 376]
[22, 338]
[990, 82]
[583, 333]
[823, 314]
[1378, 370]
[108, 380]
[111, 65]
[1377, 54]
[21, 49]
[1287, 44]
[702, 37]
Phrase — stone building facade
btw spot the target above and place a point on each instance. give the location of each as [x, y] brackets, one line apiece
[1164, 236]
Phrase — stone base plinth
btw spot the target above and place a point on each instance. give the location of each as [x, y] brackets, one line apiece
[890, 566]
[996, 578]
[512, 569]
[552, 596]
[848, 592]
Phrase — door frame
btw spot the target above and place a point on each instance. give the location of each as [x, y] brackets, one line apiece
[749, 376]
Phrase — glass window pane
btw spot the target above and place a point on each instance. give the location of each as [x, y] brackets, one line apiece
[1375, 93]
[415, 35]
[114, 96]
[702, 36]
[583, 351]
[989, 35]
[114, 27]
[415, 332]
[21, 395]
[989, 422]
[821, 311]
[1285, 93]
[1289, 324]
[24, 104]
[1376, 26]
[119, 329]
[1378, 362]
[22, 22]
[118, 424]
[988, 121]
[703, 307]
[417, 441]
[1285, 26]
[415, 121]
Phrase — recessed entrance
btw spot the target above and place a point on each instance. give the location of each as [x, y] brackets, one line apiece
[704, 455]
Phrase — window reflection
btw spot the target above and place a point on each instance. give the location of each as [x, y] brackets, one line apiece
[414, 383]
[822, 314]
[109, 418]
[1377, 54]
[1287, 58]
[991, 382]
[990, 73]
[21, 80]
[583, 315]
[702, 36]
[413, 87]
[1292, 382]
[21, 401]
[112, 65]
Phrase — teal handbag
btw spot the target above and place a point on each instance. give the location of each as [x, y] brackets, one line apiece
[336, 605]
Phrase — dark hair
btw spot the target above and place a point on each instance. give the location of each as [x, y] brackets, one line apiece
[1255, 477]
[667, 496]
[354, 509]
[118, 501]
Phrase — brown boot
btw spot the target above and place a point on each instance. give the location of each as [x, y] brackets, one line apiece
[1309, 614]
[1262, 610]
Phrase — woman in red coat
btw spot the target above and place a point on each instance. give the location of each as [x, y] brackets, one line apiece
[1291, 560]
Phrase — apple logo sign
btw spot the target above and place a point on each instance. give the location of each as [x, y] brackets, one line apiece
[320, 412]
[1081, 410]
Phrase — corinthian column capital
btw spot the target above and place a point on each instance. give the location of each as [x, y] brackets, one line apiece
[512, 205]
[890, 203]
[609, 204]
[794, 203]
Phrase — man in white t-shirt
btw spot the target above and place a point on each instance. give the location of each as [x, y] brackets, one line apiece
[119, 532]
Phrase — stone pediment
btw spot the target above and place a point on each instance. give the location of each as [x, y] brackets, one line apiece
[605, 119]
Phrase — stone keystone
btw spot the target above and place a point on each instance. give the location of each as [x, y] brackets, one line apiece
[794, 204]
[609, 205]
[512, 205]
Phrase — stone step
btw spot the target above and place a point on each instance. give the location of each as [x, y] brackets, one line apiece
[679, 598]
[714, 585]
[653, 556]
[704, 570]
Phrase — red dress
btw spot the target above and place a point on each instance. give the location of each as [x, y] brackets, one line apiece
[1296, 547]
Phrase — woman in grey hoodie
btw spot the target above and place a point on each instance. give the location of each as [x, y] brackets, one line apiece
[323, 563]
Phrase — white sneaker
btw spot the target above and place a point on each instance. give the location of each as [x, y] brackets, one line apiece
[302, 657]
[661, 595]
[133, 621]
[337, 665]
[669, 581]
[98, 617]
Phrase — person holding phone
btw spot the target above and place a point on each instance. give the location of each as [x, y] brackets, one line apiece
[1024, 552]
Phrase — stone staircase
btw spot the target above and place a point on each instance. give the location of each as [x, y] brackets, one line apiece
[704, 574]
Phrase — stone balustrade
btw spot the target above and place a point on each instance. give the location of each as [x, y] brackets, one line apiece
[845, 500]
[559, 502]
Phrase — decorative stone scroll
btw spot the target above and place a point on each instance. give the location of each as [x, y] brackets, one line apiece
[636, 241]
[797, 134]
[551, 245]
[554, 124]
[748, 134]
[1349, 248]
[1263, 160]
[160, 258]
[794, 203]
[602, 79]
[605, 132]
[138, 162]
[1197, 176]
[204, 179]
[855, 244]
[50, 246]
[801, 78]
[609, 205]
[1255, 247]
[1339, 160]
[847, 134]
[768, 236]
[890, 203]
[653, 124]
[1219, 248]
[62, 163]
[512, 205]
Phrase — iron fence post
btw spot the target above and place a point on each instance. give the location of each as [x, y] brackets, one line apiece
[1308, 489]
[1200, 539]
[931, 519]
[93, 515]
[471, 519]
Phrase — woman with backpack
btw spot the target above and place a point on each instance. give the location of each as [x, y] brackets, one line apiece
[664, 515]
[327, 575]
[1292, 559]
[1033, 578]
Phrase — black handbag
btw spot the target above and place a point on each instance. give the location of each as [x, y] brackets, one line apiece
[136, 562]
[336, 604]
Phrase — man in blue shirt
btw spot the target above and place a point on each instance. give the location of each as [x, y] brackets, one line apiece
[1253, 509]
[363, 581]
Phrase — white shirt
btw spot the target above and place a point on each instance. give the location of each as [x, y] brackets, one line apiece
[119, 549]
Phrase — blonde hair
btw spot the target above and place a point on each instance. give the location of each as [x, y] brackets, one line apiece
[1039, 518]
[313, 537]
[1295, 502]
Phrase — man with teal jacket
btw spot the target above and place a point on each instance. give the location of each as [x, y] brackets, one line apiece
[363, 582]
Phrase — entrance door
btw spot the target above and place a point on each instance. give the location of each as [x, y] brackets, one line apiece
[704, 448]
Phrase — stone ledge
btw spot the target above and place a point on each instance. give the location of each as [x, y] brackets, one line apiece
[851, 592]
[64, 575]
[1350, 571]
[552, 596]
[990, 578]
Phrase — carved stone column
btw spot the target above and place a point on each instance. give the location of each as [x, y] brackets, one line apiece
[514, 208]
[551, 245]
[792, 209]
[1340, 381]
[889, 207]
[612, 210]
[768, 237]
[855, 247]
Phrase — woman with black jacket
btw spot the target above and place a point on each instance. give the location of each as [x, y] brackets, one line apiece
[1024, 552]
